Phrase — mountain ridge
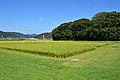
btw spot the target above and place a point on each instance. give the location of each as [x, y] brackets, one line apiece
[16, 35]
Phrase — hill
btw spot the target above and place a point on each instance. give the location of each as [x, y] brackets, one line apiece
[46, 36]
[15, 35]
[104, 26]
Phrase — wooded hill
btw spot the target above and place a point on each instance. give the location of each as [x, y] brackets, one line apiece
[103, 26]
[46, 36]
[14, 35]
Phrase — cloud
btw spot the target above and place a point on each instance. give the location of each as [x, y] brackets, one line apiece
[41, 19]
[16, 31]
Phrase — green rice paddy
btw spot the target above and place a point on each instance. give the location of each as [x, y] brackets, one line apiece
[60, 49]
[102, 63]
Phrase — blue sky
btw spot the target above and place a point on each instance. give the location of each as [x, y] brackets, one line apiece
[38, 16]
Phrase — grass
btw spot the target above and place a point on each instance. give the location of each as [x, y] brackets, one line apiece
[100, 64]
[61, 49]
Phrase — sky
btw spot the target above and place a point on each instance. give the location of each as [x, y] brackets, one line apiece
[39, 16]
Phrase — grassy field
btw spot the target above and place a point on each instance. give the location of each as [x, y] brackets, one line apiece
[59, 49]
[103, 63]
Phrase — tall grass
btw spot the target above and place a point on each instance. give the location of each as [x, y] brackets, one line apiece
[52, 48]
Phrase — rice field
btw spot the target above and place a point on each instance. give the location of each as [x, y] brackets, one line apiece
[59, 49]
[102, 63]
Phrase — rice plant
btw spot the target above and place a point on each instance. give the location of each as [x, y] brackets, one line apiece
[60, 49]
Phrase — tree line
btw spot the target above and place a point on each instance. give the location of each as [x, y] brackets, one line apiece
[104, 26]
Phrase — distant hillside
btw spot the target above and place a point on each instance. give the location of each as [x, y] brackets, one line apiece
[30, 35]
[47, 35]
[15, 35]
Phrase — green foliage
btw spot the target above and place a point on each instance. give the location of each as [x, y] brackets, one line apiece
[106, 19]
[102, 34]
[68, 31]
[62, 32]
[103, 26]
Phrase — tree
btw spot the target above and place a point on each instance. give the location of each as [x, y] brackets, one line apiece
[68, 31]
[106, 19]
[102, 26]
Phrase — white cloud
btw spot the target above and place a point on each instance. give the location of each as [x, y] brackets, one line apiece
[41, 19]
[16, 31]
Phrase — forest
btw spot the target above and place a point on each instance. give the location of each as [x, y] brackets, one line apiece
[103, 26]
